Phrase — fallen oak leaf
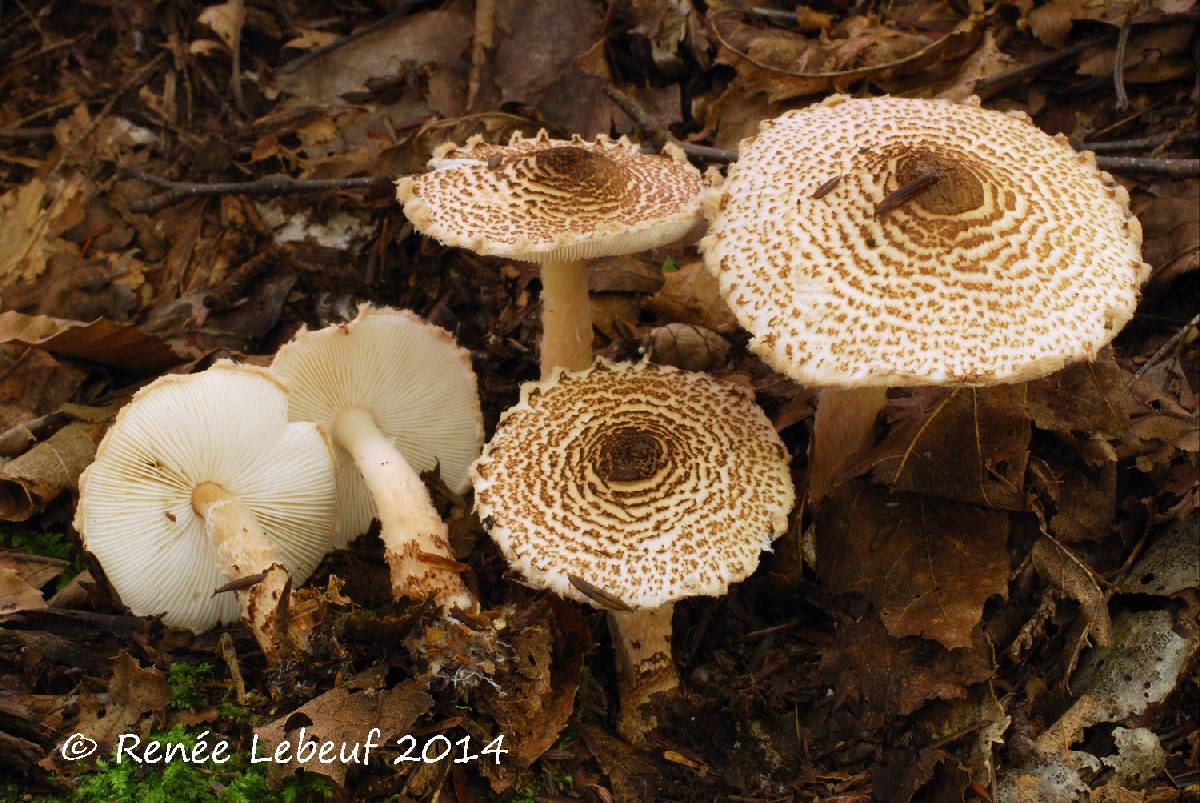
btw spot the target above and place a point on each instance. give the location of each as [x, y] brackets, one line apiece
[103, 341]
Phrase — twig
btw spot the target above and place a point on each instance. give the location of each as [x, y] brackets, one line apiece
[316, 53]
[139, 78]
[650, 127]
[602, 597]
[1176, 168]
[1119, 64]
[1166, 348]
[906, 193]
[990, 86]
[275, 184]
[1119, 145]
[26, 133]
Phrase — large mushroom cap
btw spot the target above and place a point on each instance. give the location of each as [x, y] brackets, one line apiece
[648, 482]
[229, 426]
[412, 377]
[1019, 258]
[551, 200]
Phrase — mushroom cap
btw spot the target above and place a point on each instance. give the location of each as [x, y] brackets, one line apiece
[648, 482]
[227, 425]
[1021, 257]
[410, 375]
[551, 200]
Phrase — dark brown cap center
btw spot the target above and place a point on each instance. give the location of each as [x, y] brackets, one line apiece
[579, 170]
[629, 454]
[955, 191]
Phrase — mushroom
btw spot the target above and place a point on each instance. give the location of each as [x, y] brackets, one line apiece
[398, 396]
[559, 203]
[630, 486]
[868, 243]
[184, 497]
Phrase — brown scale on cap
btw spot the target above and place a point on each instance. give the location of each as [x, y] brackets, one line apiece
[1018, 257]
[645, 481]
[544, 200]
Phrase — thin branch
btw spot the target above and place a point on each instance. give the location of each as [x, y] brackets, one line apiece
[316, 53]
[990, 86]
[275, 184]
[1119, 63]
[1141, 143]
[1163, 350]
[1176, 168]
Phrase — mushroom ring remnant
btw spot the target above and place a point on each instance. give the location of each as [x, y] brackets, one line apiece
[1019, 258]
[184, 496]
[556, 202]
[646, 483]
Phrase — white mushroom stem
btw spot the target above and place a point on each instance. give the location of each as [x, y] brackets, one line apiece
[844, 427]
[645, 667]
[566, 317]
[415, 540]
[244, 551]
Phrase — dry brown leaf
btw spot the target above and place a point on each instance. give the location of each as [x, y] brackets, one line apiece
[970, 445]
[1062, 569]
[691, 295]
[102, 341]
[686, 346]
[551, 56]
[1090, 397]
[339, 715]
[29, 233]
[136, 698]
[1085, 502]
[16, 594]
[37, 570]
[897, 676]
[987, 61]
[1170, 565]
[32, 384]
[927, 565]
[34, 479]
[225, 20]
[1170, 221]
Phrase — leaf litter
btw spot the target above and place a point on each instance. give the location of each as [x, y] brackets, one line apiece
[999, 601]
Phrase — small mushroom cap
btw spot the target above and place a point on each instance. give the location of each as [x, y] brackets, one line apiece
[1021, 256]
[550, 200]
[648, 482]
[410, 375]
[229, 426]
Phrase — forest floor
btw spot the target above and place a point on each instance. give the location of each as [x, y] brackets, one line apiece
[1055, 663]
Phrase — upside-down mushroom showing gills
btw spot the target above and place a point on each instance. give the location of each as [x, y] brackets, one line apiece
[631, 486]
[184, 498]
[876, 242]
[398, 396]
[558, 203]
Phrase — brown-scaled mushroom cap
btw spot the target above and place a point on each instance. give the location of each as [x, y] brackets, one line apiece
[548, 200]
[1020, 257]
[648, 482]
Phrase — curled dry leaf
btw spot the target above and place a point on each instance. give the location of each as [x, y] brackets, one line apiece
[927, 565]
[133, 695]
[30, 481]
[339, 715]
[691, 295]
[16, 594]
[32, 384]
[102, 341]
[1059, 567]
[686, 346]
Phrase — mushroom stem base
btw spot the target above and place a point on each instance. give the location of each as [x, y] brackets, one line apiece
[244, 551]
[843, 428]
[645, 668]
[566, 317]
[415, 539]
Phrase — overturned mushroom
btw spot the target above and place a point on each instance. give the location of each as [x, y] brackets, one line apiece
[185, 497]
[560, 203]
[631, 486]
[399, 398]
[878, 242]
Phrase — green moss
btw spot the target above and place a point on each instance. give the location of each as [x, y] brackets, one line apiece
[235, 781]
[187, 685]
